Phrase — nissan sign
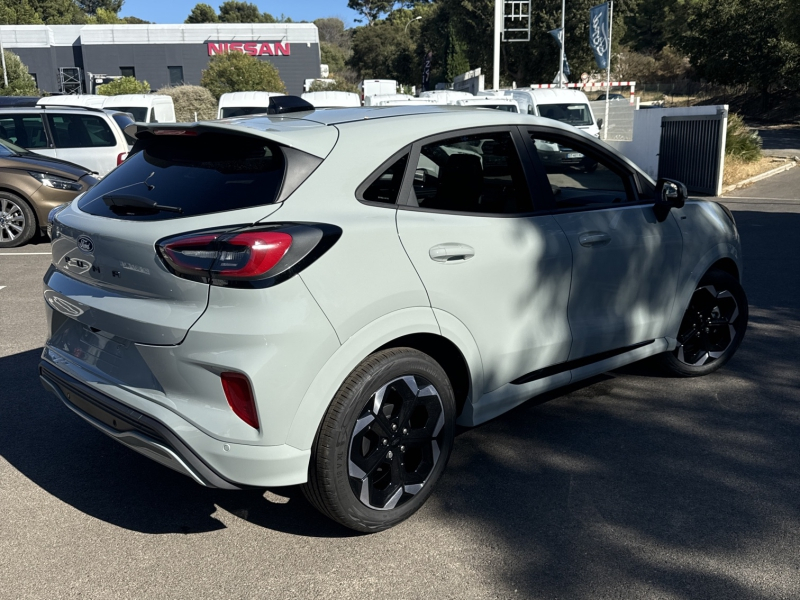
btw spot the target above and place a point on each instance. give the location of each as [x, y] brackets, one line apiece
[251, 48]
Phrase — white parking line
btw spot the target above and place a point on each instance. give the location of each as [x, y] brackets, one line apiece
[25, 253]
[2, 287]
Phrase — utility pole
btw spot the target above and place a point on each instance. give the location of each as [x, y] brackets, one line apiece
[563, 38]
[498, 32]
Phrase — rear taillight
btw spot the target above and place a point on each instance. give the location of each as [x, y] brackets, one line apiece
[244, 256]
[247, 255]
[121, 158]
[240, 397]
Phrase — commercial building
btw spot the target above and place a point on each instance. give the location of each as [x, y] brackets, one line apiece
[69, 58]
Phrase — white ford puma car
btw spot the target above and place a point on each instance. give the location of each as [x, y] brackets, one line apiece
[318, 298]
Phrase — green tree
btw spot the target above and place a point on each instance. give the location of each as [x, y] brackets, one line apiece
[371, 10]
[18, 12]
[457, 61]
[332, 31]
[124, 85]
[202, 13]
[20, 82]
[337, 85]
[59, 12]
[654, 24]
[740, 42]
[239, 72]
[135, 21]
[234, 11]
[191, 102]
[90, 7]
[333, 56]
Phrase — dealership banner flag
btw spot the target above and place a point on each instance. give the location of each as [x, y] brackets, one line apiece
[558, 34]
[598, 34]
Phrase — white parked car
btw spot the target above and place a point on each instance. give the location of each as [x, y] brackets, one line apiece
[146, 108]
[332, 99]
[397, 100]
[495, 102]
[325, 312]
[568, 106]
[85, 136]
[240, 104]
[377, 87]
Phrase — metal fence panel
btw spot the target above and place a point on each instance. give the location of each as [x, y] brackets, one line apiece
[691, 151]
[620, 120]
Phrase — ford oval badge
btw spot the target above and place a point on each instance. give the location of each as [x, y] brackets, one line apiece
[85, 244]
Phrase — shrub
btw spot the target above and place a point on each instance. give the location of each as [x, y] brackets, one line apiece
[191, 100]
[124, 85]
[337, 85]
[20, 82]
[741, 142]
[239, 72]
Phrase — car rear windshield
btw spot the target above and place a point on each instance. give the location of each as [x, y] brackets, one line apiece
[573, 114]
[139, 112]
[192, 175]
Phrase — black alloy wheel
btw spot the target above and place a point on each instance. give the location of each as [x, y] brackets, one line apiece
[384, 441]
[395, 443]
[712, 328]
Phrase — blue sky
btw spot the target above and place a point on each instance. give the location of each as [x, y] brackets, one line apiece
[176, 11]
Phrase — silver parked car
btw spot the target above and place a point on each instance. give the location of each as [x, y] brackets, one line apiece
[318, 298]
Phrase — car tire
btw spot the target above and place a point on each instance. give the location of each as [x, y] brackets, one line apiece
[712, 328]
[17, 221]
[384, 442]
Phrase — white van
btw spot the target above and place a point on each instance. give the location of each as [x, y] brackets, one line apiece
[145, 108]
[91, 100]
[568, 106]
[397, 100]
[376, 87]
[332, 99]
[446, 96]
[239, 104]
[496, 102]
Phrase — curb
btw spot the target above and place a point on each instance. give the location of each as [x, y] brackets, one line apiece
[729, 188]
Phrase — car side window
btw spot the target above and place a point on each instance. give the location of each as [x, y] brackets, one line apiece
[578, 176]
[80, 131]
[478, 173]
[24, 130]
[386, 187]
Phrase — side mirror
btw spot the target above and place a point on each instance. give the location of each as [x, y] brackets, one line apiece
[670, 194]
[600, 123]
[420, 176]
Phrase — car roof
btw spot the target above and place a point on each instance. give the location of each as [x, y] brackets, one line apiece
[51, 108]
[233, 99]
[553, 95]
[135, 100]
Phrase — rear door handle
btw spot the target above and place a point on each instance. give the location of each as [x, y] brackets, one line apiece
[451, 252]
[594, 238]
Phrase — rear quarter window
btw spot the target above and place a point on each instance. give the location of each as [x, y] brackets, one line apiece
[198, 175]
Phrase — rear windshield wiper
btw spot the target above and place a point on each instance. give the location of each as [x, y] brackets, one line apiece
[137, 203]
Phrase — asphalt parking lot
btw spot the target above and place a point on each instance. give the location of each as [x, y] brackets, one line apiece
[629, 485]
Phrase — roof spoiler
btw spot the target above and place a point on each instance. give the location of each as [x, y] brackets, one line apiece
[279, 105]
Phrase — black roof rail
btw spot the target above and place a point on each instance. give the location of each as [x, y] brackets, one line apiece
[59, 105]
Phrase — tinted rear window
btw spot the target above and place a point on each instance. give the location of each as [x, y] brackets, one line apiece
[200, 175]
[80, 131]
[139, 112]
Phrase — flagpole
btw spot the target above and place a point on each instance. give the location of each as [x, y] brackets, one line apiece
[563, 36]
[608, 70]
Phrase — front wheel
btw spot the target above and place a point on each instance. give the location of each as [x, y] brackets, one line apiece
[17, 221]
[384, 441]
[712, 328]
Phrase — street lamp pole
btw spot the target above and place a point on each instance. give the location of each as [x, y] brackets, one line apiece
[405, 29]
[498, 32]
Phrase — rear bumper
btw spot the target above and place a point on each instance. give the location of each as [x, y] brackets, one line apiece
[257, 466]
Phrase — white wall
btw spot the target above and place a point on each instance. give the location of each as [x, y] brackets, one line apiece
[644, 148]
